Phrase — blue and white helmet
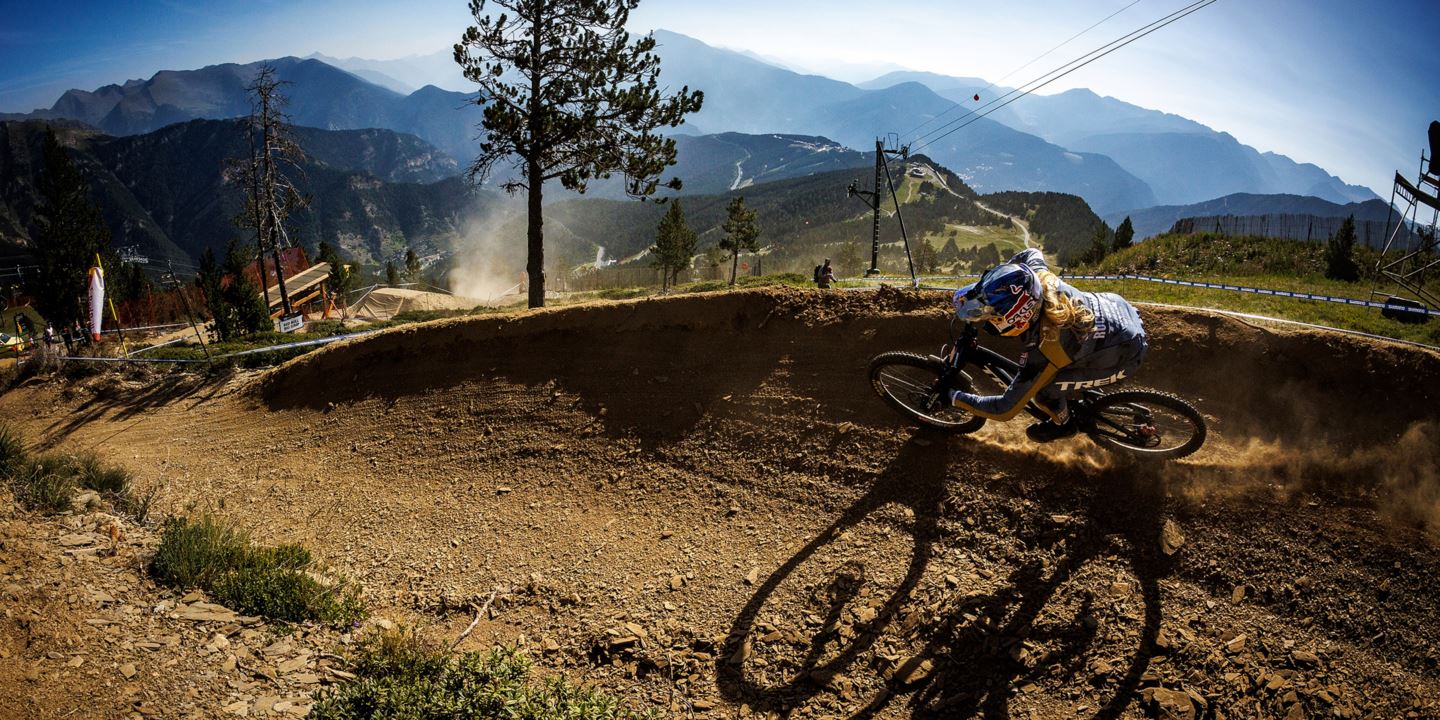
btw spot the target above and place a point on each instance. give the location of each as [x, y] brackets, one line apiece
[1008, 296]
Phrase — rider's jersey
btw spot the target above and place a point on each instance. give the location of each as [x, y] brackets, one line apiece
[1117, 338]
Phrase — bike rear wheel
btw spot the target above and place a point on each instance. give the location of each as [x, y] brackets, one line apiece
[1146, 424]
[909, 383]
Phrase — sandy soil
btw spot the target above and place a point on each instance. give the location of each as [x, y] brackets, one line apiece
[699, 504]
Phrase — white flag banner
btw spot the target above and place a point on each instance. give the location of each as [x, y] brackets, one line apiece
[97, 302]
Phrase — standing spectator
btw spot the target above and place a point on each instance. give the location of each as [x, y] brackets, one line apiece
[824, 275]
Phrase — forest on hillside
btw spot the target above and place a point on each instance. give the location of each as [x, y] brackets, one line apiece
[1064, 223]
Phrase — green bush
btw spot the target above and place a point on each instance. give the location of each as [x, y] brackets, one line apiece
[13, 454]
[400, 675]
[274, 582]
[48, 482]
[107, 480]
[45, 483]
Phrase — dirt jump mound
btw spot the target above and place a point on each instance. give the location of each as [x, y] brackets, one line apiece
[699, 504]
[763, 394]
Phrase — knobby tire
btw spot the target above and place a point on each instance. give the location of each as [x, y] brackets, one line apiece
[1153, 398]
[910, 406]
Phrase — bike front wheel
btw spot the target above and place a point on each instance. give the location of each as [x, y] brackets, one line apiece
[910, 383]
[1147, 424]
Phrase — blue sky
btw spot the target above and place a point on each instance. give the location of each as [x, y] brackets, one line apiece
[1347, 85]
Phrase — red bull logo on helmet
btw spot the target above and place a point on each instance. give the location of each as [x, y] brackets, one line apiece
[1023, 311]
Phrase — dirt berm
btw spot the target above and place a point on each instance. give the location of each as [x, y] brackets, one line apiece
[699, 504]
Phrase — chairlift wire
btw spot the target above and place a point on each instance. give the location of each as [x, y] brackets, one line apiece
[1037, 58]
[1065, 69]
[1056, 74]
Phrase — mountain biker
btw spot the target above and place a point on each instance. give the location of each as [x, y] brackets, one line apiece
[1073, 340]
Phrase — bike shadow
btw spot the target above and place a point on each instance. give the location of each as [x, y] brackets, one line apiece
[916, 480]
[972, 656]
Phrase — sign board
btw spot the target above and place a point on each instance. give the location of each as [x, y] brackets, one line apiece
[292, 323]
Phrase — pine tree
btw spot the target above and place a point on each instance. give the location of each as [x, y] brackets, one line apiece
[926, 259]
[741, 233]
[1124, 235]
[989, 256]
[1099, 246]
[210, 280]
[568, 97]
[341, 277]
[849, 260]
[950, 253]
[412, 265]
[1340, 253]
[674, 245]
[69, 233]
[251, 315]
[392, 274]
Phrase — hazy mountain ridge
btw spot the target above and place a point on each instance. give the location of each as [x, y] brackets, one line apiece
[1116, 155]
[320, 96]
[1182, 160]
[166, 193]
[733, 161]
[747, 95]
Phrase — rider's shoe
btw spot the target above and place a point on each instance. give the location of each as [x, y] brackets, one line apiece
[1044, 432]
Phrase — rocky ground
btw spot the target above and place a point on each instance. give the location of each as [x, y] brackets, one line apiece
[698, 504]
[87, 634]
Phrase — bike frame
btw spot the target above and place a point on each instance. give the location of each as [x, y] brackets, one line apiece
[967, 350]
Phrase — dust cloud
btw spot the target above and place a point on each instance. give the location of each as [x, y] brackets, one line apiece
[489, 263]
[1400, 478]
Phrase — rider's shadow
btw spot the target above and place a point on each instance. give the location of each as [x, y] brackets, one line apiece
[916, 480]
[976, 645]
[973, 666]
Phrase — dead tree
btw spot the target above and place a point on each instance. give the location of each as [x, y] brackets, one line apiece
[267, 176]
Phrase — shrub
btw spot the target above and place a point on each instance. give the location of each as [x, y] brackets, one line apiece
[400, 675]
[274, 582]
[45, 483]
[48, 482]
[104, 479]
[13, 454]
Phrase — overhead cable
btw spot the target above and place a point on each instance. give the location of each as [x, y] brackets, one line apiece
[1034, 60]
[1070, 67]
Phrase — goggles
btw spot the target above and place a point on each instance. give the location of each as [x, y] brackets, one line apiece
[970, 306]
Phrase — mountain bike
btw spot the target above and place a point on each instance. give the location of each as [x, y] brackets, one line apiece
[1146, 424]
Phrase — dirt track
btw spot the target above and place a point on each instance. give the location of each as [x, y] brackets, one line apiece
[698, 503]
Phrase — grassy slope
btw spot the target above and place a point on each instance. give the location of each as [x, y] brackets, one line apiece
[1345, 317]
[1257, 262]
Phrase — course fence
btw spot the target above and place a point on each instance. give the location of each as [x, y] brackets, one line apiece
[227, 356]
[1185, 283]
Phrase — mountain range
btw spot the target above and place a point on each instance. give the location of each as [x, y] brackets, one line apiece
[1181, 160]
[372, 192]
[1116, 155]
[320, 96]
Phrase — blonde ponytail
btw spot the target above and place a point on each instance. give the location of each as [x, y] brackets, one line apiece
[1061, 311]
